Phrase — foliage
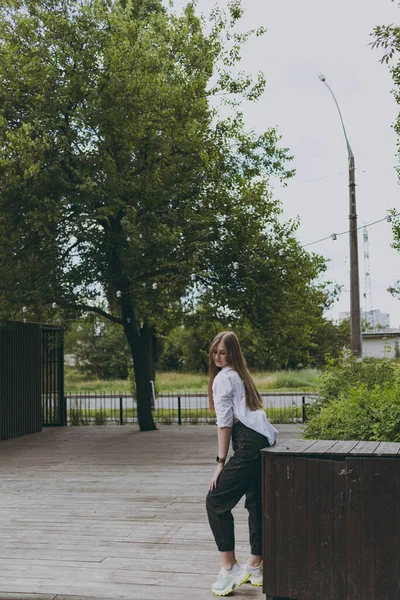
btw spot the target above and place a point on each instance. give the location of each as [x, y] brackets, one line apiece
[76, 415]
[349, 372]
[357, 400]
[362, 413]
[117, 173]
[100, 417]
[386, 38]
[186, 346]
[99, 347]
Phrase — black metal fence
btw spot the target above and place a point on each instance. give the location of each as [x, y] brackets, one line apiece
[100, 409]
[31, 378]
[20, 385]
[53, 399]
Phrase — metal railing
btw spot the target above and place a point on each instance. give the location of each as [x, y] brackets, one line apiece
[53, 400]
[176, 407]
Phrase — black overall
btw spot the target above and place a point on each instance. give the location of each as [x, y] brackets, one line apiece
[240, 476]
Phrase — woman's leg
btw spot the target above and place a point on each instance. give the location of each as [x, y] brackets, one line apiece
[231, 487]
[254, 506]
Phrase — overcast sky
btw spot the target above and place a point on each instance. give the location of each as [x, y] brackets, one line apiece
[304, 39]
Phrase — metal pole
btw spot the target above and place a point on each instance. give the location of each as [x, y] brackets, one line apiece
[179, 411]
[355, 314]
[121, 412]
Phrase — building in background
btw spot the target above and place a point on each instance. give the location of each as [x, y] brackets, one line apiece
[381, 344]
[371, 320]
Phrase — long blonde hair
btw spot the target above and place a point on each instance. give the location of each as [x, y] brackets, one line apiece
[237, 361]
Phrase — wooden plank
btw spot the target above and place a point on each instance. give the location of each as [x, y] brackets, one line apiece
[365, 448]
[368, 543]
[326, 534]
[353, 528]
[321, 447]
[269, 521]
[387, 449]
[386, 515]
[313, 529]
[85, 510]
[291, 446]
[339, 532]
[285, 531]
[300, 528]
[279, 557]
[343, 447]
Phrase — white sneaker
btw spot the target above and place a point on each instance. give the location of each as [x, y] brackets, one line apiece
[228, 580]
[253, 574]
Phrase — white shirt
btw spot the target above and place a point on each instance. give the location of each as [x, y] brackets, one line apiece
[230, 403]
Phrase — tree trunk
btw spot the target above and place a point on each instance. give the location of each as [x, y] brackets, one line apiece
[144, 392]
[141, 361]
[149, 340]
[142, 370]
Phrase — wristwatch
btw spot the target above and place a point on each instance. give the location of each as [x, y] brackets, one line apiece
[220, 460]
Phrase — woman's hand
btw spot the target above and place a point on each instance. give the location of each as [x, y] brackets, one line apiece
[213, 482]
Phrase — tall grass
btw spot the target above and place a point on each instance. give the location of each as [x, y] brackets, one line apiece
[266, 381]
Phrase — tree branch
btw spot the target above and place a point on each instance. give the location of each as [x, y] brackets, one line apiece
[100, 311]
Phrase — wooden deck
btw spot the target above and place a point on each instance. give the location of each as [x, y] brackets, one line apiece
[109, 512]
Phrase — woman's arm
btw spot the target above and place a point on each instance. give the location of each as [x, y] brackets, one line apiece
[224, 438]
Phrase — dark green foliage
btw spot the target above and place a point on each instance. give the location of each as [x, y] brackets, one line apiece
[99, 348]
[357, 401]
[186, 347]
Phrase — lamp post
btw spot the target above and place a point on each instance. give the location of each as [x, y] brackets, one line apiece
[355, 316]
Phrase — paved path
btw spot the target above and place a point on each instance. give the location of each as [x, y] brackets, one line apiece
[109, 512]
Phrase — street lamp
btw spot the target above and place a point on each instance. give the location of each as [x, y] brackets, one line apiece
[355, 316]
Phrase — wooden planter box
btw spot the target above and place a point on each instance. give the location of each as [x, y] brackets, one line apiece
[331, 520]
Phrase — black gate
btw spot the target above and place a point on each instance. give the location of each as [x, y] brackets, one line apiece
[53, 400]
[20, 379]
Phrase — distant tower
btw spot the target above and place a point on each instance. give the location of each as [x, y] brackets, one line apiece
[368, 312]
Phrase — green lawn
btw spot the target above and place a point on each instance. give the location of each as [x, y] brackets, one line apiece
[266, 381]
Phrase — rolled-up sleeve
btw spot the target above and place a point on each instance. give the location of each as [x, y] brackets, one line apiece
[222, 394]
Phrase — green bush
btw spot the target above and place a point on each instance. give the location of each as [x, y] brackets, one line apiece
[348, 374]
[100, 417]
[75, 414]
[357, 401]
[361, 414]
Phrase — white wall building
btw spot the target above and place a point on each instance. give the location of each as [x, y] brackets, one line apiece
[381, 344]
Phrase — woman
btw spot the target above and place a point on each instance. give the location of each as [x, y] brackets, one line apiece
[240, 415]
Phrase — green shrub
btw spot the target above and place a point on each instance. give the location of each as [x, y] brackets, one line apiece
[75, 414]
[100, 417]
[360, 413]
[351, 373]
[348, 374]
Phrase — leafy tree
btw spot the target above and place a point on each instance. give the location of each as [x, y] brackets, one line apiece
[119, 180]
[387, 39]
[99, 347]
[186, 346]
